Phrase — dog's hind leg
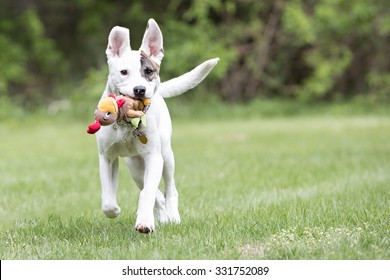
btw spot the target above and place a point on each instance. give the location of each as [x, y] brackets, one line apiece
[136, 167]
[109, 180]
[171, 194]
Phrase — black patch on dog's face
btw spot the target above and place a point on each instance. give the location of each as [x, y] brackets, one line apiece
[149, 69]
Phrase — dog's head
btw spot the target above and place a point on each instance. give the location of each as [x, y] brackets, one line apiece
[135, 73]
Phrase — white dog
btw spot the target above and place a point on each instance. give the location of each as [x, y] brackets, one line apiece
[136, 74]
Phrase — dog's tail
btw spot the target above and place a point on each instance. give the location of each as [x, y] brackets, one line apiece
[187, 81]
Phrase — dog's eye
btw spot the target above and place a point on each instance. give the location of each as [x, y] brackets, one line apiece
[124, 72]
[148, 71]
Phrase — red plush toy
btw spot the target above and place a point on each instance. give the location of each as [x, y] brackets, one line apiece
[113, 108]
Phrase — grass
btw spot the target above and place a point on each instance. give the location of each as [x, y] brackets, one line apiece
[276, 188]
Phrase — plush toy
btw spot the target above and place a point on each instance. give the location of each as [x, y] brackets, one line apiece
[113, 108]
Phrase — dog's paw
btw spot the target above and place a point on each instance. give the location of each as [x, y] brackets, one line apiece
[174, 217]
[173, 211]
[111, 211]
[145, 224]
[161, 216]
[144, 229]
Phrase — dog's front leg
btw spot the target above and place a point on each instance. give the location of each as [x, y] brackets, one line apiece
[109, 180]
[147, 198]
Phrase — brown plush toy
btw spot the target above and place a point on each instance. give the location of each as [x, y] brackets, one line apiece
[113, 108]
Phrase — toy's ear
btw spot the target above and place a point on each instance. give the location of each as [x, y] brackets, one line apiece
[120, 102]
[93, 127]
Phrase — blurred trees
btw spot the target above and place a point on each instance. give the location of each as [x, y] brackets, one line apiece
[303, 49]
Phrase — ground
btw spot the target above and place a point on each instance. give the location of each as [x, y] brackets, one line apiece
[303, 187]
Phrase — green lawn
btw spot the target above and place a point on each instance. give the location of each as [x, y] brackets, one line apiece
[275, 188]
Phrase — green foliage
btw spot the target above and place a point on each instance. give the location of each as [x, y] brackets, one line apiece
[310, 51]
[327, 67]
[85, 97]
[42, 49]
[335, 35]
[192, 46]
[380, 85]
[297, 23]
[29, 59]
[13, 58]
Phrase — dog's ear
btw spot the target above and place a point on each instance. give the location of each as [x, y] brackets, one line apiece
[152, 43]
[118, 41]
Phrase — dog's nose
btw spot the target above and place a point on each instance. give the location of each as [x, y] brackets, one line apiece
[139, 91]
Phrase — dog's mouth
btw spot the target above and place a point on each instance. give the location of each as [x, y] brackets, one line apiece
[131, 96]
[145, 100]
[125, 94]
